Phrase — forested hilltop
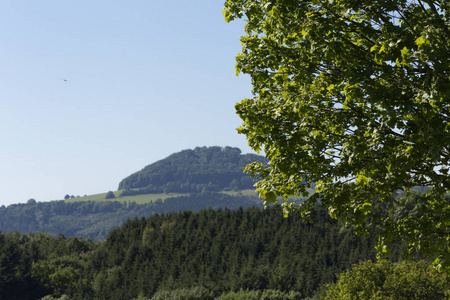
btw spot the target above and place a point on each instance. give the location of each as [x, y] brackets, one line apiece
[192, 171]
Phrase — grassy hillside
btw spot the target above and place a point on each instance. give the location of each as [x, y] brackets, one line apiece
[139, 199]
[148, 198]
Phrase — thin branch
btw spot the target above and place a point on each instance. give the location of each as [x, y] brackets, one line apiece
[436, 13]
[423, 8]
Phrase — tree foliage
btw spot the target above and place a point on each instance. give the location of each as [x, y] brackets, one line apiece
[385, 280]
[110, 195]
[353, 96]
[198, 170]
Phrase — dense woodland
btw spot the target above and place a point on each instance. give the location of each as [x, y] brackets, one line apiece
[209, 254]
[217, 250]
[193, 171]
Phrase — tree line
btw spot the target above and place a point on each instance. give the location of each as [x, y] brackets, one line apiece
[95, 220]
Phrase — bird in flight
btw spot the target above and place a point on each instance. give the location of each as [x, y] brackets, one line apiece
[65, 80]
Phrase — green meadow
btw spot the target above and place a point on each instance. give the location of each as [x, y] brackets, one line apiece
[147, 198]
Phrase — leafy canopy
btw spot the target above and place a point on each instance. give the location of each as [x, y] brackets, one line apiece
[351, 98]
[389, 281]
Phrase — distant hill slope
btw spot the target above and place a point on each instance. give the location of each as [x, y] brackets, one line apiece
[94, 219]
[190, 180]
[204, 169]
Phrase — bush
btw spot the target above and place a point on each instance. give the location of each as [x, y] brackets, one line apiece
[261, 295]
[50, 297]
[110, 195]
[196, 293]
[386, 280]
[242, 295]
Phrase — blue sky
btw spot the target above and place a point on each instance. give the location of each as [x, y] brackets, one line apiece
[145, 79]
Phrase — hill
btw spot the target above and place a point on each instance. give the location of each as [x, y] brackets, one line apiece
[189, 180]
[204, 169]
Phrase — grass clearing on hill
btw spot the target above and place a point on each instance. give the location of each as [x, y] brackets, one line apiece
[139, 199]
[148, 198]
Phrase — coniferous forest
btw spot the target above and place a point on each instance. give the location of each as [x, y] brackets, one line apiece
[217, 251]
[211, 254]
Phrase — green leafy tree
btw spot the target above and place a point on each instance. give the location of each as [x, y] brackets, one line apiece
[386, 280]
[110, 195]
[351, 98]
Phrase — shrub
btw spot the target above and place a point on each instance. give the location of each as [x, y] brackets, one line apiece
[196, 293]
[261, 295]
[110, 195]
[386, 280]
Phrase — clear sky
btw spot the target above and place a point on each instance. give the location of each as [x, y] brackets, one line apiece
[93, 91]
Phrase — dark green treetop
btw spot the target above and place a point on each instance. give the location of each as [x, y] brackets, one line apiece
[197, 170]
